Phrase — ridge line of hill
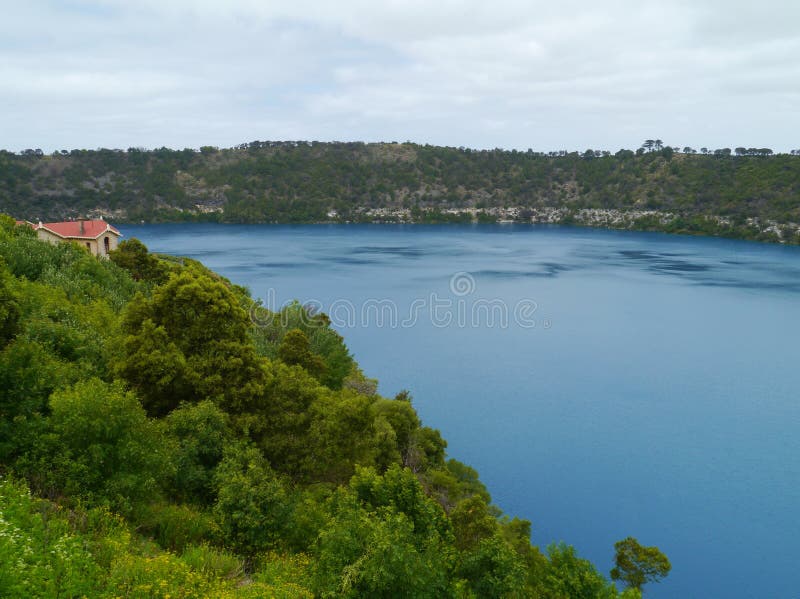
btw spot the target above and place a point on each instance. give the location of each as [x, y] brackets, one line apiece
[746, 193]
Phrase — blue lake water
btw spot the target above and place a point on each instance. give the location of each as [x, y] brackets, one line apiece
[640, 384]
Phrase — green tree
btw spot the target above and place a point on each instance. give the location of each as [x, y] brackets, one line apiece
[279, 420]
[295, 350]
[364, 554]
[324, 341]
[636, 565]
[29, 373]
[106, 449]
[252, 505]
[426, 450]
[194, 309]
[473, 522]
[155, 367]
[9, 306]
[517, 533]
[132, 255]
[189, 342]
[400, 490]
[493, 570]
[200, 431]
[385, 539]
[568, 575]
[341, 436]
[405, 423]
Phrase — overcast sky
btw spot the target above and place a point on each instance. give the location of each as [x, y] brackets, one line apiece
[500, 73]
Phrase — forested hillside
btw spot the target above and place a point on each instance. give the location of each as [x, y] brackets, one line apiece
[747, 192]
[162, 435]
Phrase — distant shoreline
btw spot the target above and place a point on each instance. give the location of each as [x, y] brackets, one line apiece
[745, 193]
[616, 220]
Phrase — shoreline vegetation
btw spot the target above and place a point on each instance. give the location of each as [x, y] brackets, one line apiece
[745, 193]
[163, 435]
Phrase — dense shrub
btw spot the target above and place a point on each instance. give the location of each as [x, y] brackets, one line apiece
[105, 448]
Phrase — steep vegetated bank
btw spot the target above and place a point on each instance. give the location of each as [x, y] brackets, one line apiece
[748, 192]
[163, 435]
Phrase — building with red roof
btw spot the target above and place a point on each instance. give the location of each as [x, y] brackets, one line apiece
[97, 236]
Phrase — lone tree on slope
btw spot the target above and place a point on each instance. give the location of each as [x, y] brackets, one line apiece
[637, 565]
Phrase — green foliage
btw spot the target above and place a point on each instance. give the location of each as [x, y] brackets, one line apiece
[427, 449]
[517, 534]
[175, 526]
[493, 569]
[47, 551]
[473, 522]
[399, 490]
[132, 255]
[404, 423]
[39, 557]
[323, 342]
[105, 448]
[636, 565]
[66, 327]
[162, 576]
[9, 307]
[7, 224]
[341, 436]
[279, 421]
[154, 366]
[188, 342]
[29, 373]
[194, 310]
[288, 576]
[309, 515]
[468, 480]
[454, 482]
[252, 504]
[369, 552]
[568, 575]
[213, 562]
[295, 350]
[83, 334]
[201, 432]
[66, 266]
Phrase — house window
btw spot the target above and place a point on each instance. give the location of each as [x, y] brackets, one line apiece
[107, 244]
[88, 246]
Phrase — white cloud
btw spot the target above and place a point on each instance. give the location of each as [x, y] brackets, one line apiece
[90, 73]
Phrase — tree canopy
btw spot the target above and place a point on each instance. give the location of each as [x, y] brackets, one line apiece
[636, 565]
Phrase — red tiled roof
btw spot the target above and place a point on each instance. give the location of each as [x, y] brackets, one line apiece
[85, 229]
